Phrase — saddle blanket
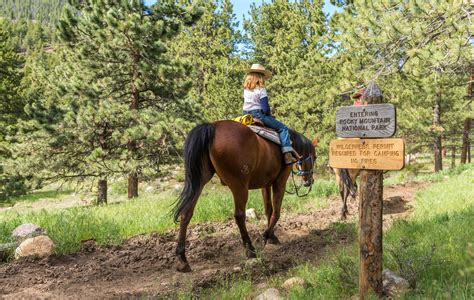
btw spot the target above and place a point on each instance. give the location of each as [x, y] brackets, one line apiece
[266, 133]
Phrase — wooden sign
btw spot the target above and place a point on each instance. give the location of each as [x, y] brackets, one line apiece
[373, 120]
[371, 154]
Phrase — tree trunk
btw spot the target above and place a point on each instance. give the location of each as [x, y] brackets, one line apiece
[469, 153]
[132, 145]
[132, 176]
[438, 159]
[370, 235]
[465, 140]
[468, 120]
[133, 185]
[453, 156]
[102, 191]
[437, 154]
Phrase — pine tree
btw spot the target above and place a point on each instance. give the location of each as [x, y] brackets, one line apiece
[120, 66]
[33, 15]
[11, 107]
[38, 150]
[211, 47]
[47, 12]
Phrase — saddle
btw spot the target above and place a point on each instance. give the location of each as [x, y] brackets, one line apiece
[257, 126]
[266, 133]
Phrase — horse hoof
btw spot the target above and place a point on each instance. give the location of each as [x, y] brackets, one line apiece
[273, 241]
[183, 267]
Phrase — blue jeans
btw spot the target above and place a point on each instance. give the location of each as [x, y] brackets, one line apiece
[273, 123]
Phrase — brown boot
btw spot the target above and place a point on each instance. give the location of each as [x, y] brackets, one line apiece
[296, 155]
[289, 158]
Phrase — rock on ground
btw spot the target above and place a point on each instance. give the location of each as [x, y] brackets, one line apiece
[252, 262]
[149, 189]
[178, 188]
[251, 214]
[40, 246]
[293, 281]
[237, 269]
[393, 284]
[270, 294]
[28, 230]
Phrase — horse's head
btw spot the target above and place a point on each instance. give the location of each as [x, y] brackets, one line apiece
[305, 165]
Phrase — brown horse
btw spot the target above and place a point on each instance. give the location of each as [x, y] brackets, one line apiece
[346, 180]
[243, 161]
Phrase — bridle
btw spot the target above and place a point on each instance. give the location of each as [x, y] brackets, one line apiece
[300, 162]
[301, 172]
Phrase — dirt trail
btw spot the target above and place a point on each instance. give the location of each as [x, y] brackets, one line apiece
[144, 265]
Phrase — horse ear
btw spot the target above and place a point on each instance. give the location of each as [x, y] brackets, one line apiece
[315, 141]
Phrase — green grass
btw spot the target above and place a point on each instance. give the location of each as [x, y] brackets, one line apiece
[419, 172]
[434, 249]
[443, 225]
[111, 224]
[35, 196]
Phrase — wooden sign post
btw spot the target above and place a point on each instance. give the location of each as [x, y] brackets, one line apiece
[372, 154]
[370, 218]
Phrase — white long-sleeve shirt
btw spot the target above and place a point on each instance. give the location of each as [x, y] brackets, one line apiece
[253, 97]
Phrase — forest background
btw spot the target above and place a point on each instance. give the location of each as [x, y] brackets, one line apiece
[94, 91]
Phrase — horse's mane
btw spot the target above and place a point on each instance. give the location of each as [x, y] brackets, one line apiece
[301, 143]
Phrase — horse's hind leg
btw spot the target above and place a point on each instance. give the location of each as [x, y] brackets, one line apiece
[241, 195]
[182, 263]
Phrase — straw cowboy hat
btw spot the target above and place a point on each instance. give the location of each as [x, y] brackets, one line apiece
[258, 68]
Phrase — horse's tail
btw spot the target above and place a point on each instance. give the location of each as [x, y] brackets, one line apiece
[196, 155]
[347, 181]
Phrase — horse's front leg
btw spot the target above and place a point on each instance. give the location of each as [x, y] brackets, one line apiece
[267, 202]
[241, 195]
[278, 193]
[344, 210]
[268, 237]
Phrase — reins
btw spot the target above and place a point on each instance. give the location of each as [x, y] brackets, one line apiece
[301, 173]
